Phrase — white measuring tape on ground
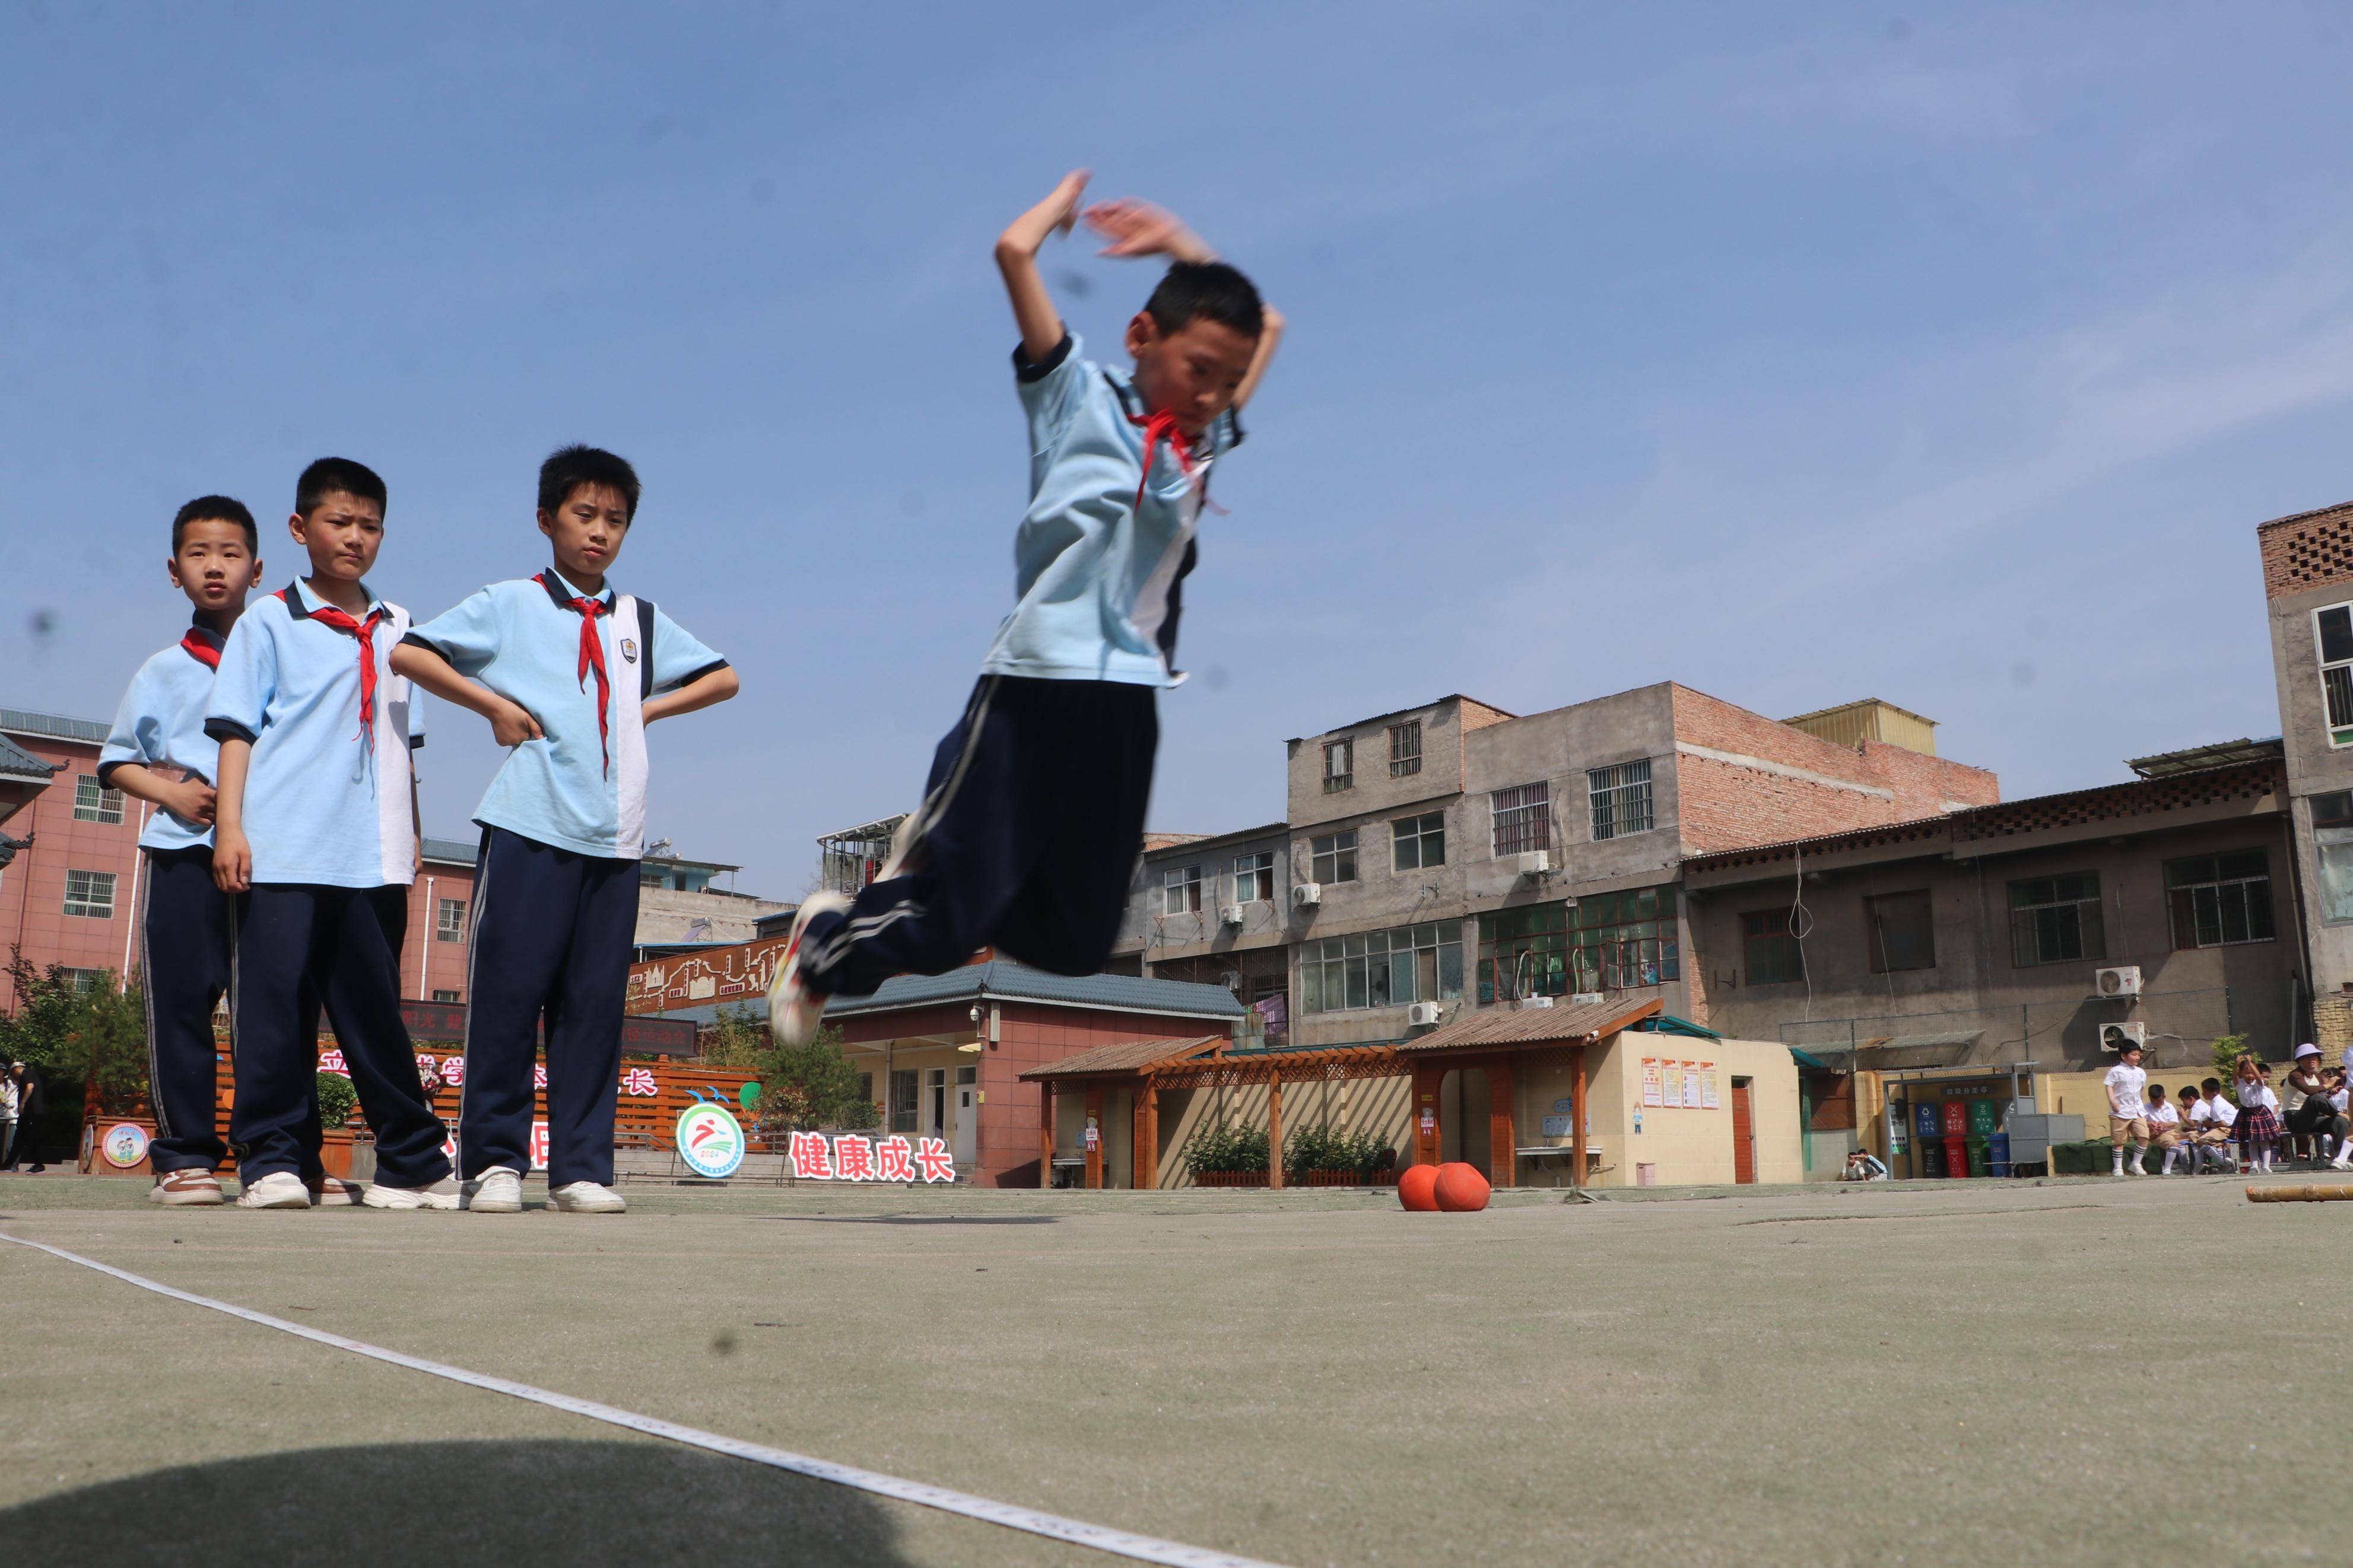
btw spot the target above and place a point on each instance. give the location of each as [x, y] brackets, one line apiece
[1117, 1543]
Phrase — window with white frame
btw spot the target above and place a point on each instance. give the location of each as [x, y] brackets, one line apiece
[1419, 841]
[449, 921]
[93, 804]
[82, 980]
[444, 995]
[2332, 838]
[2332, 633]
[1339, 765]
[90, 894]
[1382, 968]
[1523, 819]
[1621, 798]
[1332, 857]
[1405, 748]
[1180, 890]
[1254, 878]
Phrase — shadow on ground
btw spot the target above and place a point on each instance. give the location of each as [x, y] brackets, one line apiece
[518, 1504]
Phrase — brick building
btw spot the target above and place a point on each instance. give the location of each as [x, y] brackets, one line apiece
[2307, 565]
[1456, 853]
[68, 896]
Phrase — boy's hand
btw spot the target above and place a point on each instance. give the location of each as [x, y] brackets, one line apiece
[192, 801]
[1062, 207]
[1139, 229]
[232, 861]
[512, 724]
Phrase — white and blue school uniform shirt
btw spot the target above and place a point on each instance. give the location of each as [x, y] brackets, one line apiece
[1114, 495]
[161, 725]
[329, 797]
[583, 665]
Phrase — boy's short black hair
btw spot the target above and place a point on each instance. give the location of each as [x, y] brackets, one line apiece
[216, 508]
[1195, 289]
[569, 467]
[2211, 1086]
[328, 475]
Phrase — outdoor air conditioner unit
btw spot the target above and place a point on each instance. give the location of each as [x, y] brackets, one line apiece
[2122, 981]
[1306, 895]
[1589, 999]
[1421, 1015]
[1229, 914]
[2116, 1036]
[1535, 1001]
[1534, 863]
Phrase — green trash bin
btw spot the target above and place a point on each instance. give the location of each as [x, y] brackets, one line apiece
[1980, 1163]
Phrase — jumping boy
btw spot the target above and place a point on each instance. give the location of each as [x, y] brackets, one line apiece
[556, 888]
[1033, 816]
[316, 825]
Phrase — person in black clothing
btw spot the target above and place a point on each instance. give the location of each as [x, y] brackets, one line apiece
[30, 1102]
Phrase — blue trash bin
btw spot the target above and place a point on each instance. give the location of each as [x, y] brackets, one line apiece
[1998, 1153]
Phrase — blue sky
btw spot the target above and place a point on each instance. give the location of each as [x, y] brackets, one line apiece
[1797, 353]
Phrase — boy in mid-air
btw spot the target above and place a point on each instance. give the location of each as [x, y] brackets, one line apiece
[1033, 816]
[316, 825]
[556, 889]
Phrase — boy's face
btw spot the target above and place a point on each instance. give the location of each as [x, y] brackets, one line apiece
[1192, 373]
[2129, 1056]
[214, 566]
[341, 535]
[587, 531]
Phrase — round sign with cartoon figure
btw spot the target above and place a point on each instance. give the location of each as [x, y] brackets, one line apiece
[710, 1139]
[124, 1144]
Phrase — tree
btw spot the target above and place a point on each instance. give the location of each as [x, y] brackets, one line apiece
[800, 1086]
[64, 1023]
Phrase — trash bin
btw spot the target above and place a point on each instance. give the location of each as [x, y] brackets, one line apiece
[1980, 1163]
[1997, 1153]
[1932, 1159]
[1957, 1138]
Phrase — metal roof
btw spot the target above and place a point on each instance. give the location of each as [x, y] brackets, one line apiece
[1126, 1056]
[1160, 843]
[17, 762]
[1536, 1026]
[58, 726]
[2220, 753]
[450, 851]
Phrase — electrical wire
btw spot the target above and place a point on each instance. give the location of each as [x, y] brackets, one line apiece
[1801, 923]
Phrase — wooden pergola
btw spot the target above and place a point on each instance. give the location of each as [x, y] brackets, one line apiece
[1494, 1040]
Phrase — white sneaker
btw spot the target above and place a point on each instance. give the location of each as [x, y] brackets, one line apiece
[794, 1013]
[2342, 1162]
[587, 1197]
[278, 1190]
[441, 1194]
[498, 1189]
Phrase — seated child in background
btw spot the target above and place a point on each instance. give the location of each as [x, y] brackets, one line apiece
[2163, 1127]
[556, 886]
[316, 825]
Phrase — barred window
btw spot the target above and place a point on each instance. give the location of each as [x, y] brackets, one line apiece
[449, 921]
[1621, 799]
[1405, 748]
[2332, 630]
[444, 995]
[1901, 931]
[1382, 968]
[1419, 842]
[1770, 948]
[1339, 765]
[1523, 819]
[93, 804]
[1254, 878]
[2056, 919]
[1604, 941]
[1332, 857]
[90, 893]
[83, 981]
[2220, 901]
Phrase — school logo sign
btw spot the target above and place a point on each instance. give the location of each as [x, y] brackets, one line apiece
[710, 1139]
[124, 1145]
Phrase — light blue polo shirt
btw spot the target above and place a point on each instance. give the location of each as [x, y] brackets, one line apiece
[161, 724]
[575, 788]
[1097, 576]
[322, 804]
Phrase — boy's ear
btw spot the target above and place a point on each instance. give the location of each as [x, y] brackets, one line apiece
[171, 569]
[1143, 332]
[299, 526]
[546, 522]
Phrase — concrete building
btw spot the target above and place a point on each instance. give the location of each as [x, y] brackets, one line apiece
[1455, 854]
[2307, 565]
[679, 900]
[68, 894]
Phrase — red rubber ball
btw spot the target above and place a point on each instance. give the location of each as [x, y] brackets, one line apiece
[1418, 1189]
[1460, 1189]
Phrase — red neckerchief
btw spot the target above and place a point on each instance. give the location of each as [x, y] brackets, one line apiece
[364, 632]
[1158, 429]
[201, 645]
[592, 656]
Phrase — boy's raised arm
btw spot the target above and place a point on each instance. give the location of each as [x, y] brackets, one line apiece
[1017, 258]
[1135, 228]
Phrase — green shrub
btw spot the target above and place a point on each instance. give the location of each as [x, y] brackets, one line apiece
[1323, 1148]
[70, 1030]
[337, 1099]
[2228, 1050]
[1223, 1149]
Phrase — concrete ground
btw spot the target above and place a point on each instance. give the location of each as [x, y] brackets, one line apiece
[1932, 1373]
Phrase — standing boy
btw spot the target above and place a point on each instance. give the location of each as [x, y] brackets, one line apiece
[2128, 1116]
[1033, 816]
[556, 888]
[316, 825]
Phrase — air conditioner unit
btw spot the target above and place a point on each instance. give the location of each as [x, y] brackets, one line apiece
[1534, 863]
[1306, 895]
[1232, 981]
[1535, 1001]
[2116, 1036]
[2122, 981]
[1587, 999]
[1229, 914]
[1421, 1015]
